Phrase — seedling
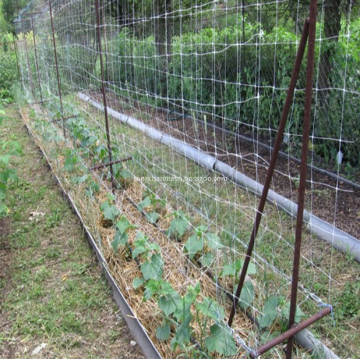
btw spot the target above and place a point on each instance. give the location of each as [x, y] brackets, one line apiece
[152, 217]
[152, 267]
[110, 211]
[178, 225]
[201, 239]
[121, 236]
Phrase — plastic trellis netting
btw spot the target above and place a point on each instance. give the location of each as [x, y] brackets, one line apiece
[212, 75]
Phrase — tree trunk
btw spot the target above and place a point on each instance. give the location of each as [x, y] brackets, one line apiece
[332, 27]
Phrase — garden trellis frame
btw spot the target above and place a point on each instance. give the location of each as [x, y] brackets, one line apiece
[308, 33]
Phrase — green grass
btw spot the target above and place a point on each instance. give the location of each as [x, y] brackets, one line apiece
[54, 292]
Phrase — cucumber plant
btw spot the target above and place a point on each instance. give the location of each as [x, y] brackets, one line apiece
[203, 243]
[110, 212]
[178, 225]
[150, 201]
[152, 262]
[121, 236]
[179, 319]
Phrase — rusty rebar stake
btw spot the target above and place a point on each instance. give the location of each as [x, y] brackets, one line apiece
[57, 66]
[110, 163]
[290, 333]
[36, 57]
[103, 92]
[270, 172]
[303, 168]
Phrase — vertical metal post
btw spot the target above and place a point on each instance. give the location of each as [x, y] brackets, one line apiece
[57, 66]
[36, 58]
[17, 57]
[29, 67]
[303, 168]
[103, 91]
[269, 175]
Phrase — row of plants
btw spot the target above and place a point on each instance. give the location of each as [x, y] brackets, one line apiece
[182, 314]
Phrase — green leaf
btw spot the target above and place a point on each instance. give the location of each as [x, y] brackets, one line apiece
[251, 269]
[163, 332]
[119, 239]
[269, 311]
[138, 251]
[210, 308]
[111, 212]
[151, 287]
[144, 204]
[194, 244]
[247, 295]
[137, 282]
[183, 332]
[152, 217]
[169, 303]
[213, 241]
[153, 268]
[184, 307]
[2, 190]
[221, 341]
[125, 174]
[179, 226]
[123, 224]
[229, 270]
[285, 312]
[81, 179]
[207, 259]
[234, 268]
[5, 159]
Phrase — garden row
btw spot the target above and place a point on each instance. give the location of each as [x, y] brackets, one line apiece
[165, 259]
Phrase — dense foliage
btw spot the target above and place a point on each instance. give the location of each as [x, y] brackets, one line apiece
[209, 74]
[8, 69]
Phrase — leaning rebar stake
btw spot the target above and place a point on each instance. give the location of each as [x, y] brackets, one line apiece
[57, 67]
[103, 92]
[274, 156]
[303, 168]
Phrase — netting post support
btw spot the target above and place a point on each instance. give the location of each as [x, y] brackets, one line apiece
[303, 169]
[103, 92]
[29, 68]
[57, 67]
[36, 57]
[17, 57]
[278, 141]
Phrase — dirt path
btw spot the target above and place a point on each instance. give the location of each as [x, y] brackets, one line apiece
[54, 301]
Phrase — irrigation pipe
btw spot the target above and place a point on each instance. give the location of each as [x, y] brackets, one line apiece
[137, 330]
[337, 238]
[249, 140]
